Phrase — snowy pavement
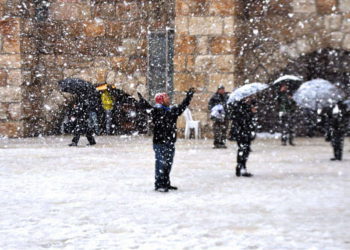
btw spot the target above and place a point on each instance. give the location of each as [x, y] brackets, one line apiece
[101, 197]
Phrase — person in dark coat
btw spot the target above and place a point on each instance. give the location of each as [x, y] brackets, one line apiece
[93, 107]
[80, 116]
[339, 125]
[242, 115]
[218, 101]
[287, 107]
[164, 118]
[323, 121]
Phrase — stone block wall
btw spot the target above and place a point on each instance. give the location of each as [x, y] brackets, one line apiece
[282, 31]
[96, 40]
[233, 42]
[229, 42]
[205, 52]
[11, 109]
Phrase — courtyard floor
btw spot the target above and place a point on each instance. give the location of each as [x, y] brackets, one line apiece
[56, 197]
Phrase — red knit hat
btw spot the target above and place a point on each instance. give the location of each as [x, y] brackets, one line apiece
[159, 98]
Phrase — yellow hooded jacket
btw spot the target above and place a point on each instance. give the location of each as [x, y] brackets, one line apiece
[107, 100]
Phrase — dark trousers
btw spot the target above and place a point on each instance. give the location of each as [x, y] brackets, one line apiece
[220, 130]
[287, 129]
[243, 143]
[338, 144]
[164, 154]
[89, 136]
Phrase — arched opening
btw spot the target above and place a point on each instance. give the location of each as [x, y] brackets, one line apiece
[327, 63]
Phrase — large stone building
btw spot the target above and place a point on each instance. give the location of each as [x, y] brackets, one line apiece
[151, 45]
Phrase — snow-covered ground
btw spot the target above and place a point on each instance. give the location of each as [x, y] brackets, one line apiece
[56, 197]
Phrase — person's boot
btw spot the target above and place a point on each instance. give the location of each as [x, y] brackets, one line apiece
[247, 174]
[339, 155]
[91, 142]
[172, 187]
[162, 189]
[73, 144]
[291, 142]
[244, 173]
[238, 171]
[284, 143]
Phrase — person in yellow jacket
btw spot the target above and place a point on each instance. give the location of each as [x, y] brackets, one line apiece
[107, 104]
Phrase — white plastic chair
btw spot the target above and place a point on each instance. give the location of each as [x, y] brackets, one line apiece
[191, 124]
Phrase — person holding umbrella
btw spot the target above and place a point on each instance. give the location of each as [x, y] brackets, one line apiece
[86, 98]
[80, 118]
[242, 108]
[320, 94]
[242, 115]
[164, 118]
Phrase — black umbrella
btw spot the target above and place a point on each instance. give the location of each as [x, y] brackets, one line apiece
[84, 91]
[293, 82]
[76, 86]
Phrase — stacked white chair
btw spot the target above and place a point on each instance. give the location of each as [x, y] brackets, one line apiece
[191, 124]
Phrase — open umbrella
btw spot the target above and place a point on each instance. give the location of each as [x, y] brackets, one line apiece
[317, 94]
[76, 86]
[288, 78]
[293, 82]
[245, 91]
[84, 91]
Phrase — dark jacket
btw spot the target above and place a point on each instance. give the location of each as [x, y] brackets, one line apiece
[286, 103]
[242, 118]
[164, 120]
[80, 114]
[217, 99]
[339, 120]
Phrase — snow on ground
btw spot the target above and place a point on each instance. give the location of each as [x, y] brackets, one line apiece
[56, 197]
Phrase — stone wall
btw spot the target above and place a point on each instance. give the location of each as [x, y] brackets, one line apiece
[228, 42]
[11, 109]
[233, 42]
[96, 40]
[284, 31]
[205, 51]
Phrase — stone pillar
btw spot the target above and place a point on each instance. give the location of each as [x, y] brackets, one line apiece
[11, 123]
[204, 52]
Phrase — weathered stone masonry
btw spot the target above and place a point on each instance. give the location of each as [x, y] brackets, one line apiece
[97, 40]
[228, 42]
[233, 42]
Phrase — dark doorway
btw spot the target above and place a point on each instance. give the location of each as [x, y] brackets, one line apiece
[160, 62]
[329, 64]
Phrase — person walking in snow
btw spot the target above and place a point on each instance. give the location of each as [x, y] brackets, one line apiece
[242, 114]
[217, 107]
[339, 124]
[164, 118]
[80, 117]
[287, 107]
